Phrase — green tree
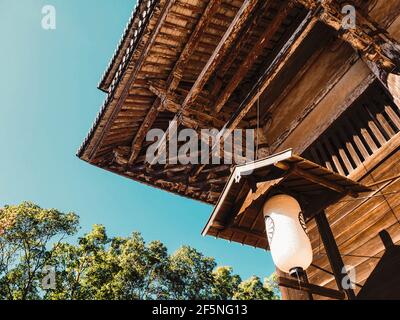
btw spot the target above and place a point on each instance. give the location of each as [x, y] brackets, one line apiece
[190, 275]
[26, 231]
[78, 267]
[253, 289]
[98, 267]
[225, 283]
[271, 283]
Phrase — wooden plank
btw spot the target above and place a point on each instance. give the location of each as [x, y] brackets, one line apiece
[358, 142]
[349, 146]
[339, 146]
[365, 133]
[334, 157]
[370, 121]
[320, 181]
[380, 117]
[393, 116]
[311, 288]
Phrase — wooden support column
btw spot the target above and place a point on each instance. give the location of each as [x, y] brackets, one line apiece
[289, 293]
[333, 253]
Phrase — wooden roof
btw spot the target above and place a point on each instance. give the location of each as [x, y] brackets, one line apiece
[237, 215]
[204, 55]
[205, 64]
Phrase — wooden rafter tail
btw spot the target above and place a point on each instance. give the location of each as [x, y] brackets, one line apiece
[174, 78]
[190, 118]
[219, 53]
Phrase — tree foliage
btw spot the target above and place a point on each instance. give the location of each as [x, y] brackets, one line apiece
[98, 267]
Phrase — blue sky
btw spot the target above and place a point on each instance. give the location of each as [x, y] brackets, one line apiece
[49, 99]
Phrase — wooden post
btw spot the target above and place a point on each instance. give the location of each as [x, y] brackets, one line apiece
[291, 293]
[304, 277]
[333, 253]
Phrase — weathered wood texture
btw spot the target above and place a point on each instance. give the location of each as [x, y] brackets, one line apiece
[315, 95]
[184, 45]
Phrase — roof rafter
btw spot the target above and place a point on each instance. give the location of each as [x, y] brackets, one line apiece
[152, 39]
[218, 54]
[265, 80]
[241, 42]
[171, 102]
[175, 76]
[253, 54]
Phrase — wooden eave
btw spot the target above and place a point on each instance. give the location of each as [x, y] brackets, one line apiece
[131, 36]
[202, 63]
[160, 48]
[237, 215]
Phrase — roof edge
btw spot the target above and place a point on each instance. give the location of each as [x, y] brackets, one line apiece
[146, 16]
[132, 32]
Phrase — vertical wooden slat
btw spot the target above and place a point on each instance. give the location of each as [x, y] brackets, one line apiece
[349, 146]
[380, 117]
[342, 153]
[325, 159]
[361, 131]
[365, 133]
[359, 143]
[393, 116]
[376, 128]
[334, 156]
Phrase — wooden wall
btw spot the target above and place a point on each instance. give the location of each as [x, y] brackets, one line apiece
[356, 224]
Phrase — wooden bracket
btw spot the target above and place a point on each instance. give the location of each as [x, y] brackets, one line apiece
[366, 37]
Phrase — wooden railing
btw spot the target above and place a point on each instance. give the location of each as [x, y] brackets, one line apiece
[359, 133]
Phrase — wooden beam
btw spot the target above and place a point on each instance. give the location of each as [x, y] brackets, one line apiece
[247, 232]
[218, 54]
[252, 56]
[266, 79]
[293, 169]
[175, 76]
[190, 118]
[311, 288]
[242, 41]
[373, 45]
[333, 253]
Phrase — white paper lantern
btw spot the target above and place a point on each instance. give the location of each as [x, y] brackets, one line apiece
[287, 235]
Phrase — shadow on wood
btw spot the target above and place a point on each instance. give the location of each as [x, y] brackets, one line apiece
[384, 281]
